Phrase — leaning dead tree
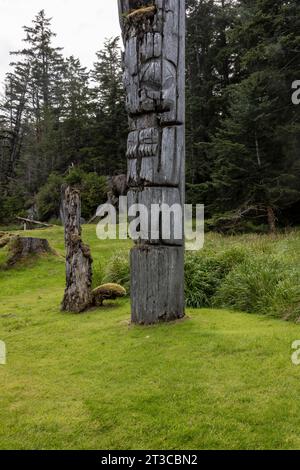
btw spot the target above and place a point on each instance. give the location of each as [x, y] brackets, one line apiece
[78, 295]
[154, 63]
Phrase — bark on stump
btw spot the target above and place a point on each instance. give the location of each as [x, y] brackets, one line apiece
[154, 68]
[78, 295]
[21, 248]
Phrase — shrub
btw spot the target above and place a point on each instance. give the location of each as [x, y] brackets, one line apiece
[285, 300]
[261, 284]
[49, 197]
[93, 192]
[118, 271]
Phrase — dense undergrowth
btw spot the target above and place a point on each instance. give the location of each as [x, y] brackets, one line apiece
[251, 273]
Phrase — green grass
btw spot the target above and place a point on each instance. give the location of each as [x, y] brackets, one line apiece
[217, 380]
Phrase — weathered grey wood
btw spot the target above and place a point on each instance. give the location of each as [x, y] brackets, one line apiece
[157, 291]
[154, 65]
[35, 222]
[62, 208]
[155, 156]
[78, 295]
[159, 196]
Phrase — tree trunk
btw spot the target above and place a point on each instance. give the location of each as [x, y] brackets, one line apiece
[78, 295]
[62, 208]
[271, 219]
[154, 63]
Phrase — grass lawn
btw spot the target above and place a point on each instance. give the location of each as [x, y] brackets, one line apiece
[217, 380]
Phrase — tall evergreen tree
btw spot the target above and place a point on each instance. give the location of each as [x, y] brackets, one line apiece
[209, 72]
[257, 149]
[110, 127]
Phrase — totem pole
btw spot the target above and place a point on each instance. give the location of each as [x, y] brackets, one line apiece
[154, 78]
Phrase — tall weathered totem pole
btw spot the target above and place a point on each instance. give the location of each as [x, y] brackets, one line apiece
[154, 78]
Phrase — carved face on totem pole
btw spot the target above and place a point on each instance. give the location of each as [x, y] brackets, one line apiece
[151, 38]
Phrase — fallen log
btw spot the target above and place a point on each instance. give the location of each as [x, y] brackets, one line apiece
[35, 222]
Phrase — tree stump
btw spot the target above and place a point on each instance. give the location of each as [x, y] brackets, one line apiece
[21, 248]
[154, 68]
[78, 295]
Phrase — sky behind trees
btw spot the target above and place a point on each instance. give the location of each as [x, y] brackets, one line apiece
[81, 27]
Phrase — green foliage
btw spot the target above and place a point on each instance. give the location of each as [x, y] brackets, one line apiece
[256, 149]
[250, 273]
[93, 192]
[262, 284]
[74, 177]
[93, 189]
[242, 128]
[242, 132]
[234, 222]
[205, 272]
[98, 273]
[117, 271]
[255, 274]
[49, 197]
[197, 193]
[77, 120]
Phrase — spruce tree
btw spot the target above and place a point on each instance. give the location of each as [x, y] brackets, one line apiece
[257, 163]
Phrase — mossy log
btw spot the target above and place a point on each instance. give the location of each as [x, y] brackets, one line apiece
[5, 238]
[107, 292]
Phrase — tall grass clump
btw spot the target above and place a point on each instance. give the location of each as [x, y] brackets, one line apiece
[117, 270]
[98, 274]
[264, 284]
[285, 301]
[205, 272]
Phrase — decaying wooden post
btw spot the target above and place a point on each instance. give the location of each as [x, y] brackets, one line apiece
[78, 295]
[154, 64]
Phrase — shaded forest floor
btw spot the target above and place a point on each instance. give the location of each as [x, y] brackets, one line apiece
[217, 380]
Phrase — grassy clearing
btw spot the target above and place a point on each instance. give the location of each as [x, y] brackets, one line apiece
[218, 380]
